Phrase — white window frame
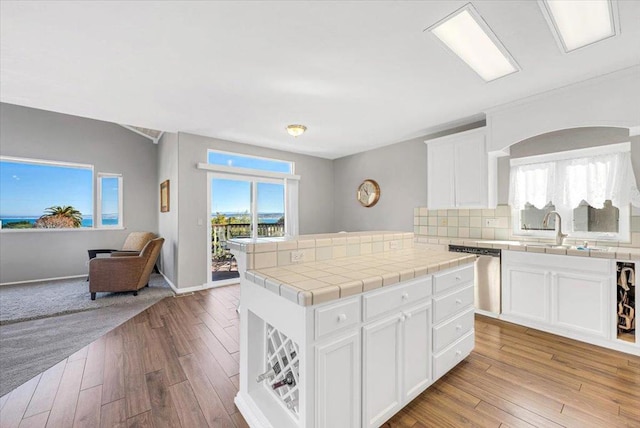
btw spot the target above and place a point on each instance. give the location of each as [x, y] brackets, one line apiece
[236, 168]
[624, 225]
[98, 207]
[95, 195]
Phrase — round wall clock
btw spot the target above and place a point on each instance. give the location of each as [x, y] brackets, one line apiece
[368, 193]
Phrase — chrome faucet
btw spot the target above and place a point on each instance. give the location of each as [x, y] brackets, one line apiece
[559, 235]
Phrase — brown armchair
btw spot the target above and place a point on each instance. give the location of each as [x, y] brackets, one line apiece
[135, 242]
[123, 271]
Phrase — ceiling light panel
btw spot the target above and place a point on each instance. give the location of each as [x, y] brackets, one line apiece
[467, 35]
[576, 24]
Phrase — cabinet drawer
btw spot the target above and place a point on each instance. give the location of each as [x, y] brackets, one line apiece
[396, 296]
[447, 280]
[448, 305]
[336, 316]
[447, 359]
[452, 330]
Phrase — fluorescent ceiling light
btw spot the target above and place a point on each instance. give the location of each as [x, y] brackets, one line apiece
[579, 23]
[469, 37]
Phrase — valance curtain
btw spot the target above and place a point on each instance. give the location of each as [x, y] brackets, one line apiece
[567, 182]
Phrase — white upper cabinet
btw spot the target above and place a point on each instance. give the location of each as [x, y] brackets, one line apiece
[458, 172]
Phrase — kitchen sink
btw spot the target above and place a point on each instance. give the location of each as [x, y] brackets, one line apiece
[545, 245]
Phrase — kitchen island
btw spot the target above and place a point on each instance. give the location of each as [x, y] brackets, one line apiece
[346, 338]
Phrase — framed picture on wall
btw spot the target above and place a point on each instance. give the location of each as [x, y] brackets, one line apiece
[164, 196]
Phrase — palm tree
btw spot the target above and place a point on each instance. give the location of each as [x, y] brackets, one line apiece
[66, 212]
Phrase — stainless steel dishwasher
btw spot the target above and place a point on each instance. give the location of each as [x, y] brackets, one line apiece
[487, 282]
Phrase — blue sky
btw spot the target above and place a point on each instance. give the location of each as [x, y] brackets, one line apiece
[235, 195]
[28, 189]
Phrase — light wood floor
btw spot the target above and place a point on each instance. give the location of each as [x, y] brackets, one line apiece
[176, 365]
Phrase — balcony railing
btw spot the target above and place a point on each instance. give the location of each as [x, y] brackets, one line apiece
[222, 259]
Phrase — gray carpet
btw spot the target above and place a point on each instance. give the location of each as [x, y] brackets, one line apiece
[44, 299]
[28, 348]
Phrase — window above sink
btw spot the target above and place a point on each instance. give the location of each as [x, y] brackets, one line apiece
[592, 189]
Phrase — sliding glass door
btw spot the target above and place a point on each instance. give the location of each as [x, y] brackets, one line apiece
[242, 207]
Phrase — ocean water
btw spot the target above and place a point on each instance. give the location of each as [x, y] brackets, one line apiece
[86, 222]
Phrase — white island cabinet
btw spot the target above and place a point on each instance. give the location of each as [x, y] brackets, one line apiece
[351, 361]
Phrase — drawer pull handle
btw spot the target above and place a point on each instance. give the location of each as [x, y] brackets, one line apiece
[459, 327]
[402, 318]
[458, 301]
[408, 316]
[405, 296]
[458, 278]
[458, 353]
[342, 317]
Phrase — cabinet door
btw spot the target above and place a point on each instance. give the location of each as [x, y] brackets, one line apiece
[581, 303]
[525, 292]
[440, 176]
[338, 382]
[381, 370]
[471, 174]
[416, 339]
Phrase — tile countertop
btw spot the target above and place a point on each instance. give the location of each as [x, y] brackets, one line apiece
[318, 282]
[599, 251]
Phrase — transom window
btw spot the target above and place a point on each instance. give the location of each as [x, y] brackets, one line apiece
[40, 194]
[250, 162]
[591, 189]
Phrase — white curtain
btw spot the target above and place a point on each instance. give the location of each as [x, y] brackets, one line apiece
[567, 182]
[596, 179]
[291, 207]
[533, 183]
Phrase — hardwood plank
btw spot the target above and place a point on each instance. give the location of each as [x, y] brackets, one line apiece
[588, 419]
[17, 402]
[113, 414]
[500, 402]
[46, 391]
[153, 358]
[136, 393]
[181, 334]
[113, 384]
[227, 362]
[216, 375]
[228, 341]
[172, 368]
[499, 414]
[213, 308]
[35, 421]
[238, 420]
[155, 315]
[187, 407]
[143, 420]
[233, 331]
[94, 368]
[80, 354]
[4, 399]
[210, 404]
[235, 380]
[163, 412]
[64, 405]
[88, 409]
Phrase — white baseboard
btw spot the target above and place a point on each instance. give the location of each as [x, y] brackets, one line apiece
[43, 279]
[199, 287]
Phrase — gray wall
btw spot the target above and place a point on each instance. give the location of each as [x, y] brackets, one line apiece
[315, 200]
[39, 134]
[401, 172]
[168, 222]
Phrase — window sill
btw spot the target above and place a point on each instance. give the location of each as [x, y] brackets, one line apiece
[79, 229]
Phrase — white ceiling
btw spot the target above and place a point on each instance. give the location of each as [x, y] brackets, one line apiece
[358, 74]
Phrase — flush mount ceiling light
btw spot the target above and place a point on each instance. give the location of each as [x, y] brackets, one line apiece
[296, 130]
[576, 24]
[466, 34]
